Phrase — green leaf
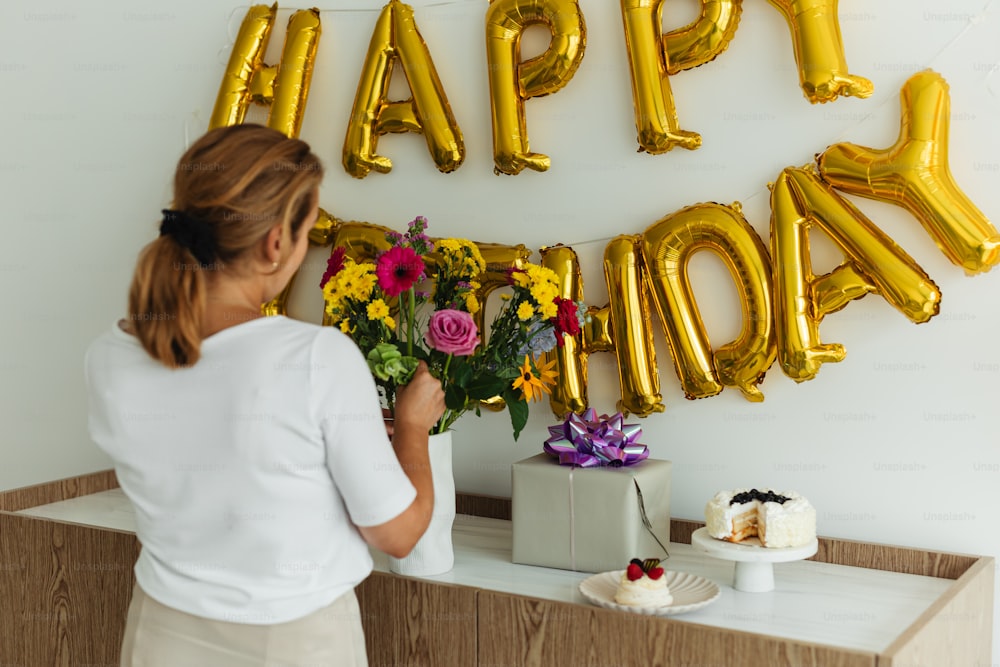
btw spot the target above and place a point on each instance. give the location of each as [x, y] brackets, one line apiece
[455, 397]
[518, 409]
[485, 387]
[461, 373]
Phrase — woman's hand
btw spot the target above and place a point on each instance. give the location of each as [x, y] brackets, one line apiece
[419, 403]
[387, 420]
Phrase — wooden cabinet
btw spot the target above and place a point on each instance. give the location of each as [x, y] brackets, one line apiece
[65, 585]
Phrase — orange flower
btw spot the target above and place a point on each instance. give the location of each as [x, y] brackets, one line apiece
[534, 387]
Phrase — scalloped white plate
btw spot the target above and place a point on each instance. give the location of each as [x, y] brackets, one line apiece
[689, 591]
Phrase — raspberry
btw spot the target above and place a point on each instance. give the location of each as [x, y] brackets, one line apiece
[655, 573]
[634, 572]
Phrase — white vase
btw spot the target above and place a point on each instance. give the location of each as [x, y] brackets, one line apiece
[434, 553]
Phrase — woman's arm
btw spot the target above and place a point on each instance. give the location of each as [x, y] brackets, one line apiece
[419, 405]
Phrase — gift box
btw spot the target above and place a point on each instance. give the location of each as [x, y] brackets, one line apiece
[597, 510]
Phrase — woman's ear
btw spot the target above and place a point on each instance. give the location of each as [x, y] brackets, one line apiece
[272, 244]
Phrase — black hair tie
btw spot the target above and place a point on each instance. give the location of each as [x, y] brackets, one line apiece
[190, 232]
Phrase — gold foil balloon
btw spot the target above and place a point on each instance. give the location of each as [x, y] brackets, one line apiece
[597, 336]
[668, 246]
[325, 227]
[819, 50]
[881, 263]
[284, 87]
[500, 259]
[362, 240]
[705, 38]
[656, 124]
[913, 173]
[800, 351]
[631, 327]
[426, 112]
[570, 391]
[512, 81]
[874, 263]
[245, 61]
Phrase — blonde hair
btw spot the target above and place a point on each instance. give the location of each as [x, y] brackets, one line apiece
[235, 183]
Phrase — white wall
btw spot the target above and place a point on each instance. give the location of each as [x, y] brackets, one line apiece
[897, 444]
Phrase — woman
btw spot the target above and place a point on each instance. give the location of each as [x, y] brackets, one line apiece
[252, 448]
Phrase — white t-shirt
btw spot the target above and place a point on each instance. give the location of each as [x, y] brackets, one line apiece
[249, 470]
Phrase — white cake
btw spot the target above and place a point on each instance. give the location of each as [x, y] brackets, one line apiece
[783, 519]
[643, 586]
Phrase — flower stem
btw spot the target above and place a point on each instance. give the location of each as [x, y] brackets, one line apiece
[409, 322]
[442, 423]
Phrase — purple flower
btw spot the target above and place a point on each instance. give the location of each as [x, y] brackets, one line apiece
[452, 332]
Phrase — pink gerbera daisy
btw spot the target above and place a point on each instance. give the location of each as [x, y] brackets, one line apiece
[397, 269]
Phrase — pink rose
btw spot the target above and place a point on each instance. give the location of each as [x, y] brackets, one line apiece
[452, 332]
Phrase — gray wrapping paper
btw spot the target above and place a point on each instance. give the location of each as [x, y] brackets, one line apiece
[588, 519]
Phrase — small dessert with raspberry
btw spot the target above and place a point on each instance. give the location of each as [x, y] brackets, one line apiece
[643, 585]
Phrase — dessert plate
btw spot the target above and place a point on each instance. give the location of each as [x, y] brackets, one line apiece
[689, 591]
[754, 569]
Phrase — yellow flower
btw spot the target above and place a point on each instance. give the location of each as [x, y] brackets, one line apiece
[544, 292]
[345, 326]
[450, 245]
[389, 322]
[549, 310]
[471, 302]
[356, 281]
[525, 311]
[364, 286]
[377, 310]
[532, 387]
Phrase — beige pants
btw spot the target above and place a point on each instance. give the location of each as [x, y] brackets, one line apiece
[159, 636]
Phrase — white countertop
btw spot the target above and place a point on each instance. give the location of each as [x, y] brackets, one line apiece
[837, 605]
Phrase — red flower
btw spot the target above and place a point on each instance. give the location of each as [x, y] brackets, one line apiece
[333, 265]
[397, 269]
[510, 271]
[565, 321]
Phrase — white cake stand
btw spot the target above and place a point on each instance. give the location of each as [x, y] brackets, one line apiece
[754, 572]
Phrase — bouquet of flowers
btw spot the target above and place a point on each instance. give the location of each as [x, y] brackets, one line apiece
[396, 325]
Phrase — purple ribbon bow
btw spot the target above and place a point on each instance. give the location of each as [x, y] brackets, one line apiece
[588, 440]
